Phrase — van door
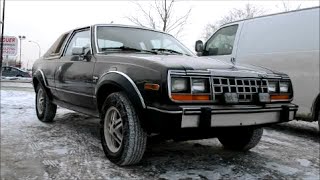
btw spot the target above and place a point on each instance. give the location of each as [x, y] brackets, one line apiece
[222, 45]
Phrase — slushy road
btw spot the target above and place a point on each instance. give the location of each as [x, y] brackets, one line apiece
[69, 148]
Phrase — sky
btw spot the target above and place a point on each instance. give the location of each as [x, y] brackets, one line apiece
[44, 21]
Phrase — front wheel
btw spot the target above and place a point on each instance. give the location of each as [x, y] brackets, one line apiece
[45, 109]
[319, 120]
[241, 139]
[122, 137]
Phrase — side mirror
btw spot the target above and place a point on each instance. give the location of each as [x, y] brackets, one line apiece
[78, 51]
[199, 46]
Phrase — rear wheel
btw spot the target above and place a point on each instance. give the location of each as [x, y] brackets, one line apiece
[241, 139]
[122, 137]
[45, 109]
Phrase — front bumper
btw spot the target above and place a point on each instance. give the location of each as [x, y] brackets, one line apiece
[223, 116]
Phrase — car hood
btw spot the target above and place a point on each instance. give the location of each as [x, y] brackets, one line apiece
[193, 63]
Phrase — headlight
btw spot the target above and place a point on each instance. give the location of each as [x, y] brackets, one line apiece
[179, 85]
[272, 86]
[284, 87]
[200, 85]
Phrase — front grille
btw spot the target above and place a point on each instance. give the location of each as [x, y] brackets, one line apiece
[245, 88]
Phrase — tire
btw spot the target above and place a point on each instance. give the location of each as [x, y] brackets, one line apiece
[319, 120]
[122, 137]
[45, 109]
[241, 139]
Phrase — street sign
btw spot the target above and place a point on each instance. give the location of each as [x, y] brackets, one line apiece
[10, 45]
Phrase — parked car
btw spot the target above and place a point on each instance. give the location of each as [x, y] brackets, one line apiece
[143, 82]
[286, 42]
[8, 71]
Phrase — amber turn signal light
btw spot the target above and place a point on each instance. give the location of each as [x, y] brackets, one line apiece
[279, 97]
[153, 87]
[189, 97]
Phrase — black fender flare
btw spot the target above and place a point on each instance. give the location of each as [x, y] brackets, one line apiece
[315, 108]
[126, 84]
[39, 77]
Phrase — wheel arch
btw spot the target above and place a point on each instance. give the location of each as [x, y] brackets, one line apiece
[114, 81]
[38, 78]
[316, 108]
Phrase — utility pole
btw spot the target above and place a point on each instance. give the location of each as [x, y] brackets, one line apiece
[21, 38]
[2, 32]
[37, 45]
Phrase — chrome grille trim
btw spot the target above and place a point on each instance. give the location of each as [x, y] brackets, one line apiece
[244, 87]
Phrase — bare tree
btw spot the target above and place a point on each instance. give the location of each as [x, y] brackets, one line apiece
[160, 15]
[249, 11]
[286, 6]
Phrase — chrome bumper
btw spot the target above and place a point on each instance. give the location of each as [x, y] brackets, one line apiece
[236, 115]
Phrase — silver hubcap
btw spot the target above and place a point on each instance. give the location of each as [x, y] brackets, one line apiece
[40, 101]
[113, 133]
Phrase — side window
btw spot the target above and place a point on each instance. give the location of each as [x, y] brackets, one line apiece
[14, 70]
[221, 43]
[79, 39]
[4, 70]
[55, 49]
[8, 69]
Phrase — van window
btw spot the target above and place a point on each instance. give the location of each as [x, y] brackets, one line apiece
[221, 43]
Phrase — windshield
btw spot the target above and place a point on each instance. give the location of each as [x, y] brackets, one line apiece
[123, 38]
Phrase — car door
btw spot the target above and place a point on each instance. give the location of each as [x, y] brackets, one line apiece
[50, 61]
[12, 72]
[5, 71]
[16, 72]
[74, 76]
[222, 44]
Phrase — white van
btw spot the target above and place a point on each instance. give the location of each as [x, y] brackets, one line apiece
[286, 42]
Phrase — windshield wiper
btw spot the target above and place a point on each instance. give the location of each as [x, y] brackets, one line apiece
[125, 48]
[168, 50]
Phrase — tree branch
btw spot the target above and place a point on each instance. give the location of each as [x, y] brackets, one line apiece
[159, 15]
[179, 22]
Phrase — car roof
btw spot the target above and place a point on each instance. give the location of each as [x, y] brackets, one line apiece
[129, 26]
[13, 67]
[119, 25]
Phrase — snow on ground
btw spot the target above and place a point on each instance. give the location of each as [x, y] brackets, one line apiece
[16, 79]
[301, 127]
[16, 85]
[69, 148]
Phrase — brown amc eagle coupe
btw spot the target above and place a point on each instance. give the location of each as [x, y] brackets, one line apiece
[144, 83]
